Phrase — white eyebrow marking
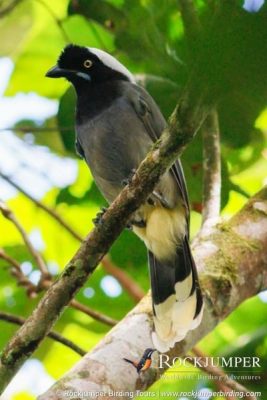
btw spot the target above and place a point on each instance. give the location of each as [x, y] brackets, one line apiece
[112, 63]
[83, 75]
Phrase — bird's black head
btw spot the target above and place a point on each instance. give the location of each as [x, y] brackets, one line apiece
[148, 353]
[85, 65]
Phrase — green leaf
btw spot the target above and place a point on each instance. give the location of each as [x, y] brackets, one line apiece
[66, 119]
[88, 33]
[40, 51]
[15, 28]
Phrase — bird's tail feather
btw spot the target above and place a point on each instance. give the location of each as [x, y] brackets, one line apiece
[177, 299]
[130, 362]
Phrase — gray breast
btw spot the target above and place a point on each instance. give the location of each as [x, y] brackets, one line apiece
[114, 143]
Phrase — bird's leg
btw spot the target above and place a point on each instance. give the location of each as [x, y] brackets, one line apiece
[139, 223]
[157, 197]
[99, 216]
[138, 219]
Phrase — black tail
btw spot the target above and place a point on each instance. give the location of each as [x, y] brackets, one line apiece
[177, 299]
[129, 361]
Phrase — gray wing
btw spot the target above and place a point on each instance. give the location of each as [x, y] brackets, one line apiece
[174, 281]
[113, 144]
[154, 122]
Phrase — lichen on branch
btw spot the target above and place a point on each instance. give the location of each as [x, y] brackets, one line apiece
[228, 258]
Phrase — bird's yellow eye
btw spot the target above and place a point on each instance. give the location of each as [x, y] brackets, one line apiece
[87, 63]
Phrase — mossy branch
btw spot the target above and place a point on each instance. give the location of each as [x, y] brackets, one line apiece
[233, 264]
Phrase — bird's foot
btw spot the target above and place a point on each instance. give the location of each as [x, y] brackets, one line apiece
[156, 198]
[139, 223]
[99, 216]
[126, 181]
[129, 227]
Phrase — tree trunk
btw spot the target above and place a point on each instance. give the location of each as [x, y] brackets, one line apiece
[232, 261]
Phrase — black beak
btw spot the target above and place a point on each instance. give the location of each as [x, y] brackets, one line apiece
[56, 72]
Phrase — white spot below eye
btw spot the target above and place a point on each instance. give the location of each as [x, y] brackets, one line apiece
[83, 75]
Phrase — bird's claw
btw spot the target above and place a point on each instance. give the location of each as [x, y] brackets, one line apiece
[139, 223]
[156, 198]
[126, 181]
[99, 216]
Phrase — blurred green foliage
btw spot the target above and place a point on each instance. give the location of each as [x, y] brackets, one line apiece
[148, 36]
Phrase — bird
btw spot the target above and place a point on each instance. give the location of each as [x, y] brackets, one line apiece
[145, 361]
[116, 124]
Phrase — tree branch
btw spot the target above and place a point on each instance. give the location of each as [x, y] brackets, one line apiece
[56, 20]
[216, 382]
[232, 255]
[218, 372]
[211, 133]
[10, 7]
[32, 291]
[16, 271]
[44, 207]
[184, 123]
[14, 319]
[126, 281]
[8, 214]
[211, 170]
[191, 21]
[93, 313]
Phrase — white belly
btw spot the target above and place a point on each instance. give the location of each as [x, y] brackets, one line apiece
[164, 230]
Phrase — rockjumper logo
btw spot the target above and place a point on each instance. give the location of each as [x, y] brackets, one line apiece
[231, 362]
[144, 363]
